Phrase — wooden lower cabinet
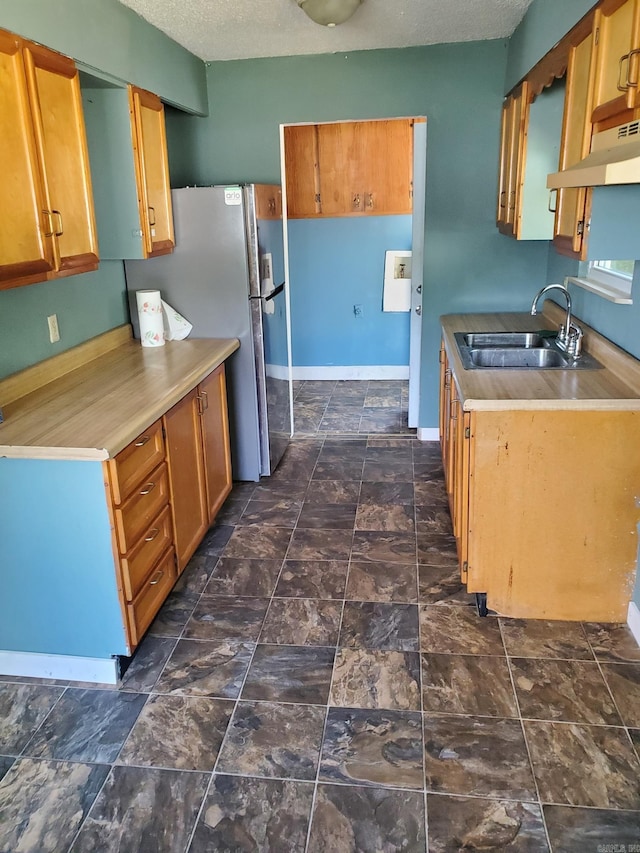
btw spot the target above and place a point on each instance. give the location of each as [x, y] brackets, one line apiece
[183, 436]
[197, 441]
[215, 440]
[166, 488]
[543, 507]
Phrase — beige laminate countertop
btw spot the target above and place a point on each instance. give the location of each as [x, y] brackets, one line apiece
[97, 409]
[614, 387]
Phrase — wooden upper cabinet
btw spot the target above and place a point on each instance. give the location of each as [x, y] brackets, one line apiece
[350, 168]
[388, 160]
[48, 227]
[515, 113]
[572, 203]
[617, 68]
[340, 156]
[61, 142]
[301, 155]
[26, 244]
[152, 172]
[268, 201]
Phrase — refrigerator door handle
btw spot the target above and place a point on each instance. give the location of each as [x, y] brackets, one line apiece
[275, 292]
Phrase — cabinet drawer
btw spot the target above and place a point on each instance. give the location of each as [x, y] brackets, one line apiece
[137, 564]
[150, 598]
[133, 463]
[138, 511]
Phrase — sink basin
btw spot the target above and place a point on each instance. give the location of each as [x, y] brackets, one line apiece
[517, 351]
[504, 339]
[518, 357]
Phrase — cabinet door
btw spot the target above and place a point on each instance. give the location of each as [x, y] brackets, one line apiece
[186, 476]
[503, 173]
[26, 246]
[152, 172]
[341, 156]
[54, 91]
[571, 204]
[301, 163]
[517, 130]
[386, 166]
[268, 201]
[618, 61]
[215, 439]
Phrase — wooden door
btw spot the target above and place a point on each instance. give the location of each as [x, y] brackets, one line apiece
[152, 172]
[386, 164]
[301, 164]
[215, 440]
[26, 246]
[571, 203]
[187, 479]
[617, 70]
[54, 90]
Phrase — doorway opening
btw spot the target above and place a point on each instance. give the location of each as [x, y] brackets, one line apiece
[353, 209]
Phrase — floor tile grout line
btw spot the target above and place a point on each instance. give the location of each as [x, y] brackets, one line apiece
[613, 698]
[23, 753]
[524, 736]
[207, 789]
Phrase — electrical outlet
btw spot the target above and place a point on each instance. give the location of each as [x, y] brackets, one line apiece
[357, 310]
[54, 331]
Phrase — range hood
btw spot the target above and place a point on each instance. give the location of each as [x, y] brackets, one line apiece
[614, 159]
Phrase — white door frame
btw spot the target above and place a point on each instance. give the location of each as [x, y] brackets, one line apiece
[417, 266]
[417, 240]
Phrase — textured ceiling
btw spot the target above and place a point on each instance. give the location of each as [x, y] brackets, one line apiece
[242, 29]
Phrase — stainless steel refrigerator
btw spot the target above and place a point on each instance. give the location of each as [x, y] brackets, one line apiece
[226, 276]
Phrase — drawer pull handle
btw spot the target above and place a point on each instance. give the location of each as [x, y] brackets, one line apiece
[152, 534]
[146, 491]
[157, 578]
[142, 441]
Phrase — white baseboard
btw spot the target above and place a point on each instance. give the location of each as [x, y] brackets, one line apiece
[633, 621]
[277, 371]
[63, 667]
[428, 434]
[366, 371]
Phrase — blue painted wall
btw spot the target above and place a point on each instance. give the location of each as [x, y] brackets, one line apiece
[66, 604]
[86, 305]
[543, 26]
[334, 265]
[459, 87]
[111, 38]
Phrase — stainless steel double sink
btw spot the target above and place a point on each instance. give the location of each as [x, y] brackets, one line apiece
[517, 351]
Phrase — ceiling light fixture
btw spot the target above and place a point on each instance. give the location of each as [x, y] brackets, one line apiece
[329, 13]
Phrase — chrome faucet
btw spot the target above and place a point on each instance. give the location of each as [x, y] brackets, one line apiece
[569, 335]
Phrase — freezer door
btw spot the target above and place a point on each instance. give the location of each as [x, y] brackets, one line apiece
[206, 279]
[271, 332]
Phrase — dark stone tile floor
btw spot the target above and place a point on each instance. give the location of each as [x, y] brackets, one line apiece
[319, 680]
